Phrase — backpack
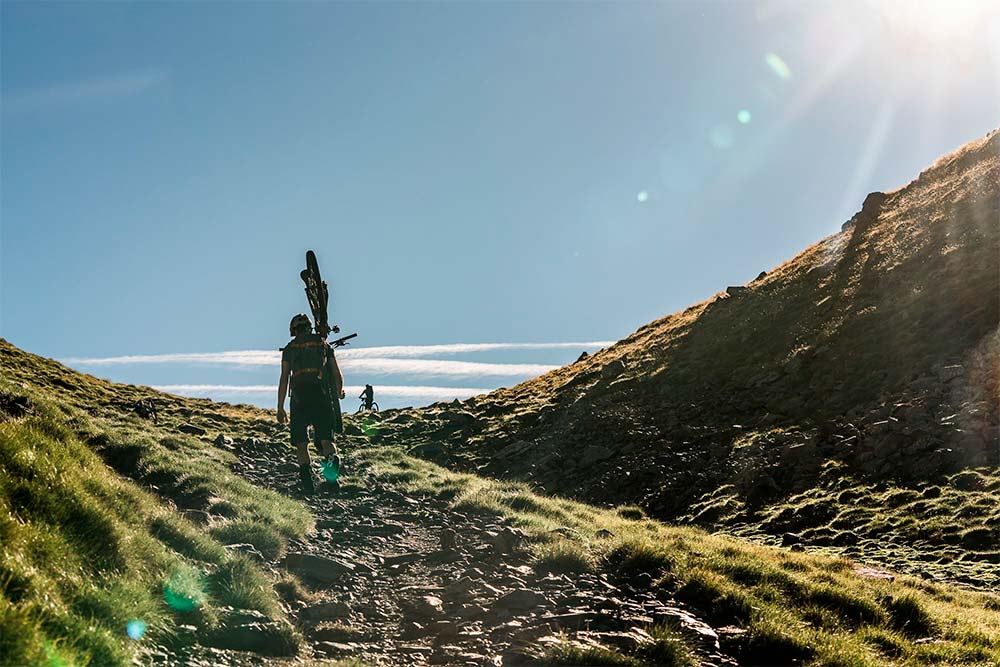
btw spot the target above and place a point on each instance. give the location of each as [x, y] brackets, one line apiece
[306, 357]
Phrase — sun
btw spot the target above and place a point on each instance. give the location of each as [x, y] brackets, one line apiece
[934, 22]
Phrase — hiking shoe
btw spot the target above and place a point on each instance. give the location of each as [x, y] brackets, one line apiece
[306, 477]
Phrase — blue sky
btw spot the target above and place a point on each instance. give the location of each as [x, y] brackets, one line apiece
[467, 173]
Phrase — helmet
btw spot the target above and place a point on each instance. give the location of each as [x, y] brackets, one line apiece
[298, 322]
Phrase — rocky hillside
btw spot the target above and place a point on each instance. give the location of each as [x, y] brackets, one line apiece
[868, 363]
[182, 540]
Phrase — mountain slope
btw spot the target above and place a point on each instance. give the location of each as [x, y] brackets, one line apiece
[408, 563]
[869, 358]
[105, 531]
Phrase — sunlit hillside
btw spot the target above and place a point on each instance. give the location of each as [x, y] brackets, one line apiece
[858, 378]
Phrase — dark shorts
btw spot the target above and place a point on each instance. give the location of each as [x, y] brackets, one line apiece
[313, 408]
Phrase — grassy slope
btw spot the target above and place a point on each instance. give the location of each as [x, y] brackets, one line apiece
[84, 550]
[869, 361]
[791, 606]
[787, 605]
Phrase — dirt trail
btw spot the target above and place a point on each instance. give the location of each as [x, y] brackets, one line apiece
[410, 581]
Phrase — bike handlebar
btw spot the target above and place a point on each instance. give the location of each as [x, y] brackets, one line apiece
[340, 342]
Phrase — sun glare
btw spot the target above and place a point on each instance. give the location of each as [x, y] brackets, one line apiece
[934, 21]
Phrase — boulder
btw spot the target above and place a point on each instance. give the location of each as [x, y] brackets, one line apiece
[191, 429]
[317, 567]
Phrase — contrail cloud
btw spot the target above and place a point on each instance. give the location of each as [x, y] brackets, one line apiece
[377, 356]
[389, 391]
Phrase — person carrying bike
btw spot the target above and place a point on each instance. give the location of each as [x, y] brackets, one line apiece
[303, 362]
[368, 396]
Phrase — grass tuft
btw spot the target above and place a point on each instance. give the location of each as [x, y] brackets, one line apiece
[563, 556]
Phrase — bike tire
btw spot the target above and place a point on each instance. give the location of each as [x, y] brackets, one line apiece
[317, 294]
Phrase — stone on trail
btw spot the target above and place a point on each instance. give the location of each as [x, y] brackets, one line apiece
[317, 567]
[330, 648]
[521, 599]
[248, 630]
[325, 611]
[507, 540]
[443, 630]
[448, 539]
[469, 611]
[402, 559]
[426, 606]
[459, 589]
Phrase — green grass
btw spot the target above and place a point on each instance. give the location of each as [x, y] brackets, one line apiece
[794, 606]
[950, 529]
[84, 549]
[566, 653]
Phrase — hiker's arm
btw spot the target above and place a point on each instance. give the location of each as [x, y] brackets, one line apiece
[338, 377]
[282, 392]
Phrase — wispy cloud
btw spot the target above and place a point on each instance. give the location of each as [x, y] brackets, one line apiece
[440, 368]
[79, 92]
[388, 391]
[354, 354]
[237, 358]
[409, 351]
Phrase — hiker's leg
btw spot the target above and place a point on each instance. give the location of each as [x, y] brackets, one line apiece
[329, 448]
[299, 426]
[302, 452]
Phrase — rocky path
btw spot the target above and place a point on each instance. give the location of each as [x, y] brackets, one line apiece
[400, 580]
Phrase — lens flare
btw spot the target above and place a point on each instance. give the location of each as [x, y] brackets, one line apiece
[368, 426]
[721, 136]
[135, 629]
[330, 470]
[184, 590]
[743, 116]
[778, 66]
[642, 196]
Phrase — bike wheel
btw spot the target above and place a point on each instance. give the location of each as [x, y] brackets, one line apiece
[374, 407]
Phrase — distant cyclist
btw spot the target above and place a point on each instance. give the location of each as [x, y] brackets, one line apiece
[368, 396]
